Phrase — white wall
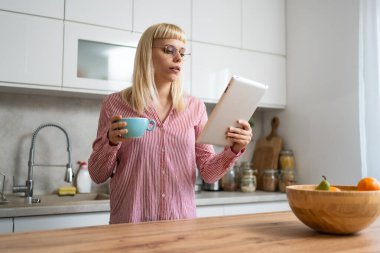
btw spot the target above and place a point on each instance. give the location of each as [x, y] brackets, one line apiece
[321, 121]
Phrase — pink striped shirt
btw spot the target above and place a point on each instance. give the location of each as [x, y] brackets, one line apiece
[154, 176]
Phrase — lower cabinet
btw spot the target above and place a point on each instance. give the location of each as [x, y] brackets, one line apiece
[236, 209]
[44, 222]
[6, 225]
[59, 221]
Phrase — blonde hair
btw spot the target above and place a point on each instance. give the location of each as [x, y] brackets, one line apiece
[143, 90]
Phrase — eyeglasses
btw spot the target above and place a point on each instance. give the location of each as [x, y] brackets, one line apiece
[173, 51]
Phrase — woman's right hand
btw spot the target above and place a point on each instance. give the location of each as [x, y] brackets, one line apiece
[116, 130]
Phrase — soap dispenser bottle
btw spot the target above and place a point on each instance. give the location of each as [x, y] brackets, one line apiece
[83, 178]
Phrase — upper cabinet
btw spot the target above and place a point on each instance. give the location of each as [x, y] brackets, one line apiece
[92, 49]
[244, 38]
[213, 66]
[98, 58]
[217, 22]
[263, 26]
[149, 12]
[30, 49]
[47, 8]
[110, 13]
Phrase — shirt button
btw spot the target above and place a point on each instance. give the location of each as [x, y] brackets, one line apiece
[163, 172]
[163, 195]
[163, 150]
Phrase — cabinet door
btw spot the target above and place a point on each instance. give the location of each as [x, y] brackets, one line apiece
[111, 13]
[30, 49]
[217, 21]
[6, 225]
[98, 58]
[176, 12]
[209, 211]
[48, 8]
[249, 208]
[213, 66]
[34, 223]
[268, 69]
[263, 27]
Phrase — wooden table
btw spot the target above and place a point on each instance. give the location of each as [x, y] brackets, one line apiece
[271, 232]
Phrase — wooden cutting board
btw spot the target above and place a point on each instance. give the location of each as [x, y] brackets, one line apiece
[266, 153]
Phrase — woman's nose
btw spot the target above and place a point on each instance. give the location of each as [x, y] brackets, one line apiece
[177, 57]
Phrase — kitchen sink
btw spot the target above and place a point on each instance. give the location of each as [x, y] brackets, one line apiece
[54, 199]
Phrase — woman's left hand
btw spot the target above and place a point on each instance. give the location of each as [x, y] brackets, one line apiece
[240, 137]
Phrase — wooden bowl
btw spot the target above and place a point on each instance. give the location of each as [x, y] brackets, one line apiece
[344, 212]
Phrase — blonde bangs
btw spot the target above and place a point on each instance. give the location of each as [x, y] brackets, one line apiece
[169, 31]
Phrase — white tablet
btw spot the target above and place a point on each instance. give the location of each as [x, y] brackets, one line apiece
[239, 101]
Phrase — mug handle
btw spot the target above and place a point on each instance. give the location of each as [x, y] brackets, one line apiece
[152, 125]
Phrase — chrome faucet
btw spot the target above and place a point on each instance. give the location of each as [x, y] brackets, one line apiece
[28, 187]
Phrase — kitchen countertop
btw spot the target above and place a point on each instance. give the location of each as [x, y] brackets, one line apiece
[268, 232]
[82, 203]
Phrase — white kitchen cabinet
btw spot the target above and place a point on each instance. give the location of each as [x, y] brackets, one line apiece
[268, 69]
[30, 49]
[149, 12]
[248, 208]
[44, 222]
[212, 67]
[98, 58]
[210, 211]
[47, 8]
[244, 208]
[217, 21]
[110, 13]
[6, 225]
[263, 25]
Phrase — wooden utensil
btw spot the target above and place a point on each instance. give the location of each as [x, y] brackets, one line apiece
[267, 152]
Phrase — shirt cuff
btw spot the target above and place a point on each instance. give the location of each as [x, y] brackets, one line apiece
[105, 142]
[232, 153]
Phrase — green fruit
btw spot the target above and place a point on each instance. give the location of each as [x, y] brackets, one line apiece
[324, 185]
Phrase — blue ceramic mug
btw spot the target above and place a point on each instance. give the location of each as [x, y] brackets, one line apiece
[137, 126]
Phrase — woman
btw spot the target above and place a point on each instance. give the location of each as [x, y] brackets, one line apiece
[153, 176]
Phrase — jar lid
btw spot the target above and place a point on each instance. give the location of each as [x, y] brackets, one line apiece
[270, 171]
[287, 171]
[247, 172]
[286, 152]
[247, 178]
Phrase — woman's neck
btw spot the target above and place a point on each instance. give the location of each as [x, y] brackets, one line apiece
[164, 100]
[164, 93]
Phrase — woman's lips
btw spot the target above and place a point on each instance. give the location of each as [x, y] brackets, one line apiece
[175, 69]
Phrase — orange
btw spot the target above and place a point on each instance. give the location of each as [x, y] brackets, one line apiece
[334, 189]
[368, 184]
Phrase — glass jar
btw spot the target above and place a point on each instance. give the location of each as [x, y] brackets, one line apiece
[270, 180]
[286, 160]
[287, 177]
[246, 164]
[229, 180]
[248, 181]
